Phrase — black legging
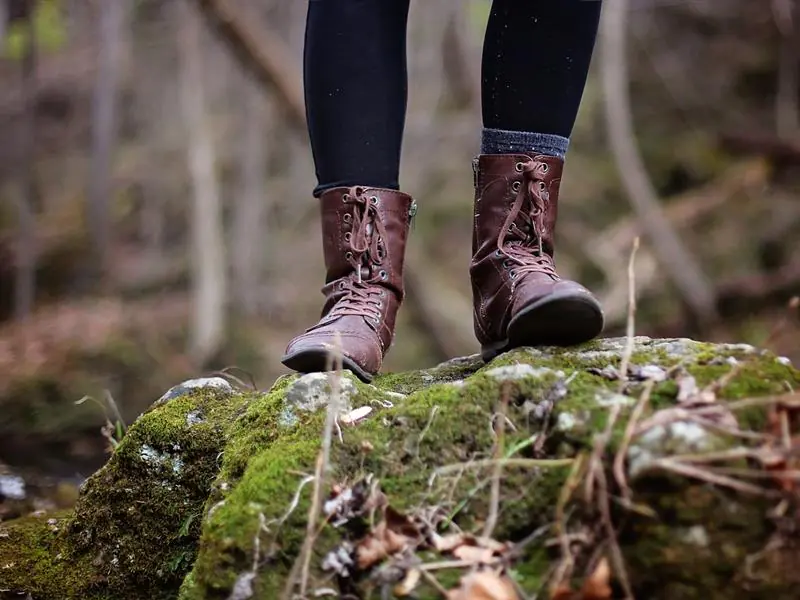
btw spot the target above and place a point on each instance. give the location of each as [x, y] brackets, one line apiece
[536, 58]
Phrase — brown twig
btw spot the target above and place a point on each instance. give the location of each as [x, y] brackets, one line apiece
[494, 494]
[564, 568]
[434, 582]
[505, 462]
[616, 553]
[631, 322]
[708, 476]
[619, 459]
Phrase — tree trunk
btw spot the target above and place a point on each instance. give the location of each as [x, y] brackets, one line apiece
[249, 218]
[25, 284]
[104, 132]
[207, 247]
[3, 23]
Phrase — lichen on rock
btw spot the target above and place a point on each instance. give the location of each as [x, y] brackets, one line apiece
[209, 494]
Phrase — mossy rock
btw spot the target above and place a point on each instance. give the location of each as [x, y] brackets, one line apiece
[208, 495]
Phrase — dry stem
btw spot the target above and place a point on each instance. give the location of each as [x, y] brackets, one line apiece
[491, 520]
[619, 459]
[303, 562]
[629, 333]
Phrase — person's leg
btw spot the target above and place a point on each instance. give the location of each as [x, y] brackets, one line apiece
[356, 89]
[535, 63]
[355, 79]
[536, 57]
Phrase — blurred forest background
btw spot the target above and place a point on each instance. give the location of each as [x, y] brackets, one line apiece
[156, 218]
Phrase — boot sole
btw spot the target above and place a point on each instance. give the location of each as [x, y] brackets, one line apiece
[565, 319]
[316, 361]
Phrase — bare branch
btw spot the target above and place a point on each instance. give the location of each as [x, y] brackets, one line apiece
[260, 52]
[677, 261]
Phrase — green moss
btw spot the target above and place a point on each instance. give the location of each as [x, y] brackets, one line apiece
[204, 505]
[408, 383]
[135, 526]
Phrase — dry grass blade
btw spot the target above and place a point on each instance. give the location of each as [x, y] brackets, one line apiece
[619, 459]
[564, 569]
[616, 553]
[631, 323]
[790, 400]
[713, 478]
[494, 503]
[303, 562]
[531, 463]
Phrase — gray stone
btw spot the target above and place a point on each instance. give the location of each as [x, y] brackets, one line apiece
[186, 387]
[680, 437]
[312, 392]
[520, 371]
[608, 399]
[12, 487]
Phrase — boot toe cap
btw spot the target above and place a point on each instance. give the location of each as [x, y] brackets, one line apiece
[310, 352]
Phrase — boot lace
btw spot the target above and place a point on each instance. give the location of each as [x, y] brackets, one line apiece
[362, 296]
[524, 251]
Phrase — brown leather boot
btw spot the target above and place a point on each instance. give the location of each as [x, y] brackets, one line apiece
[518, 298]
[364, 233]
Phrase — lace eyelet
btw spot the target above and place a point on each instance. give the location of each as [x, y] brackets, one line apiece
[516, 186]
[345, 197]
[383, 293]
[374, 200]
[347, 236]
[506, 263]
[347, 218]
[519, 166]
[542, 186]
[545, 167]
[497, 253]
[512, 274]
[348, 255]
[380, 305]
[341, 285]
[384, 275]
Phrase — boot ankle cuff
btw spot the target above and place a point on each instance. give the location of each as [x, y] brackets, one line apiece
[502, 141]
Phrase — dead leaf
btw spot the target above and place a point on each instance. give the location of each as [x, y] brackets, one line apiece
[400, 523]
[409, 583]
[379, 544]
[346, 503]
[562, 592]
[447, 543]
[339, 560]
[474, 554]
[597, 585]
[484, 585]
[355, 415]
